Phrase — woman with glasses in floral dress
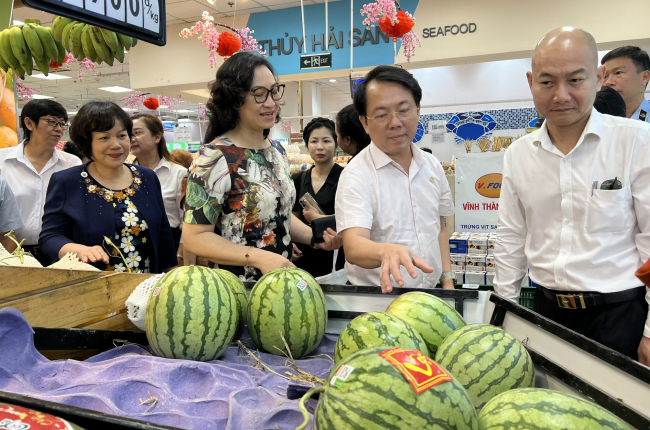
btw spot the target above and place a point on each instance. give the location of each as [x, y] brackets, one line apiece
[240, 192]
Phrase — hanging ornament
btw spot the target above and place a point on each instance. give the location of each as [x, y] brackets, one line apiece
[403, 24]
[228, 44]
[151, 103]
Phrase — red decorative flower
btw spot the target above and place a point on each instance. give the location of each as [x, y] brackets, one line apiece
[151, 103]
[403, 25]
[228, 44]
[54, 64]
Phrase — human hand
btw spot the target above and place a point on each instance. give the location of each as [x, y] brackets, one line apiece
[392, 257]
[92, 254]
[332, 241]
[448, 284]
[266, 261]
[310, 212]
[297, 253]
[644, 351]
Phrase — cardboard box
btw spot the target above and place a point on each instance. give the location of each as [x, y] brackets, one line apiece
[460, 277]
[475, 260]
[475, 278]
[491, 243]
[458, 246]
[489, 278]
[490, 262]
[482, 252]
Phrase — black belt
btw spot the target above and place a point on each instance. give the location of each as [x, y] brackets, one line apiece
[576, 300]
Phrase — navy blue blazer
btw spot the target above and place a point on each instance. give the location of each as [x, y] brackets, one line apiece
[72, 215]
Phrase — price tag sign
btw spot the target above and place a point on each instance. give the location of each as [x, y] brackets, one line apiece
[182, 134]
[142, 19]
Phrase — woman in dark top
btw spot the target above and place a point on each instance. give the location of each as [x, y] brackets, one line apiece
[350, 134]
[107, 199]
[321, 182]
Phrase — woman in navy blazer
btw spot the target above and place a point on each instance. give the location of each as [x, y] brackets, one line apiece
[107, 199]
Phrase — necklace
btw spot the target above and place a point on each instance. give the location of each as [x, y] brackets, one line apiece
[121, 177]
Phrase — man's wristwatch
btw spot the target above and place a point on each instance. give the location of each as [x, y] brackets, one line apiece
[448, 275]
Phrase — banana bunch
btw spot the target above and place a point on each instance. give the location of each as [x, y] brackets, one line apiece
[88, 41]
[23, 45]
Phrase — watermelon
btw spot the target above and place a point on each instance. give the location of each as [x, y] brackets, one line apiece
[487, 361]
[429, 315]
[239, 290]
[377, 329]
[537, 408]
[370, 393]
[191, 314]
[287, 302]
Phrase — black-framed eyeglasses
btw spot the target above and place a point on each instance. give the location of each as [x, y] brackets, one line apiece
[402, 115]
[53, 123]
[261, 94]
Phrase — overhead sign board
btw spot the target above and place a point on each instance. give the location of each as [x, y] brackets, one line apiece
[316, 61]
[143, 19]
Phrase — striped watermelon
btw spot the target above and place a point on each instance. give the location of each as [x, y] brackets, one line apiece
[287, 302]
[377, 329]
[429, 315]
[536, 408]
[239, 290]
[487, 361]
[376, 396]
[191, 314]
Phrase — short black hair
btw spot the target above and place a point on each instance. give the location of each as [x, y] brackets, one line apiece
[37, 108]
[97, 116]
[610, 102]
[227, 92]
[387, 74]
[638, 56]
[348, 125]
[317, 123]
[71, 148]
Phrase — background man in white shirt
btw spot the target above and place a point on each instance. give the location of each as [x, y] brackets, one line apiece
[575, 203]
[29, 166]
[392, 197]
[627, 70]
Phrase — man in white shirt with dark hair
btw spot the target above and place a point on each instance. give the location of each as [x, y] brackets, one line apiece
[575, 203]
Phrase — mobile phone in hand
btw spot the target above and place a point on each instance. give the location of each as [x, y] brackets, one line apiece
[308, 197]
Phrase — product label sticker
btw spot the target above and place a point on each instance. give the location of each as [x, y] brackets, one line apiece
[156, 292]
[471, 286]
[341, 375]
[419, 370]
[19, 418]
[302, 284]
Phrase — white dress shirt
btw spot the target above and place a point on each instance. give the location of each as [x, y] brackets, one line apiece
[10, 218]
[375, 193]
[30, 187]
[170, 176]
[575, 237]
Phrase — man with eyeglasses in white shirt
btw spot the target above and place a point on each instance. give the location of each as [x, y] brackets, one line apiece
[575, 203]
[392, 197]
[29, 166]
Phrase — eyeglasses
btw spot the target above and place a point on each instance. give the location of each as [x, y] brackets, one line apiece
[402, 115]
[53, 123]
[261, 94]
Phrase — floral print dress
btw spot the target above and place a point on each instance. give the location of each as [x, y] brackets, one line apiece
[131, 231]
[246, 194]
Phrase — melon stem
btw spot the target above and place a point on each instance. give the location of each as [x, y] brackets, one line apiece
[305, 412]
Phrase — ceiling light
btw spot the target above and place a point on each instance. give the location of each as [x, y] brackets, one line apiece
[184, 120]
[16, 22]
[73, 113]
[115, 89]
[184, 111]
[41, 96]
[51, 76]
[332, 80]
[128, 109]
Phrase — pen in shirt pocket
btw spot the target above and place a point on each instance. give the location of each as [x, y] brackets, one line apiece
[593, 187]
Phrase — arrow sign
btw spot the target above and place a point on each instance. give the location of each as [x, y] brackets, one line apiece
[316, 61]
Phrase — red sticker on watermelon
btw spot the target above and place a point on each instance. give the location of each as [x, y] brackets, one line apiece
[19, 418]
[422, 372]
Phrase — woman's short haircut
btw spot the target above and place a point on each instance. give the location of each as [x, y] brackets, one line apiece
[227, 93]
[387, 74]
[610, 102]
[97, 117]
[348, 125]
[155, 126]
[317, 123]
[182, 157]
[37, 108]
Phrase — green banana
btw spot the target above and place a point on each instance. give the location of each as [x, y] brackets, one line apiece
[20, 72]
[20, 49]
[65, 39]
[43, 65]
[75, 40]
[119, 54]
[135, 42]
[110, 38]
[127, 41]
[58, 25]
[87, 45]
[102, 49]
[33, 42]
[7, 52]
[3, 63]
[49, 45]
[62, 52]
